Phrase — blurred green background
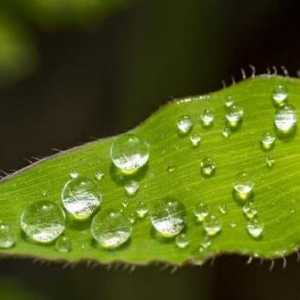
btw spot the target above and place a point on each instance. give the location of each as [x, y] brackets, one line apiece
[75, 70]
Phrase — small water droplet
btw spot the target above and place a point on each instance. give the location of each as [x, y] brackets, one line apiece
[229, 101]
[223, 209]
[7, 236]
[206, 242]
[182, 240]
[44, 193]
[250, 210]
[168, 217]
[142, 209]
[233, 224]
[184, 124]
[63, 244]
[111, 229]
[99, 175]
[201, 211]
[226, 132]
[279, 95]
[255, 229]
[270, 161]
[132, 218]
[195, 139]
[234, 115]
[132, 187]
[171, 168]
[81, 197]
[43, 221]
[129, 153]
[207, 117]
[212, 225]
[268, 140]
[125, 203]
[285, 118]
[243, 185]
[74, 174]
[208, 167]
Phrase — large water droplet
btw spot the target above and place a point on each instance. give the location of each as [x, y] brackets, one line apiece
[212, 225]
[111, 229]
[168, 217]
[285, 118]
[207, 117]
[182, 240]
[43, 221]
[243, 185]
[279, 95]
[255, 229]
[81, 197]
[7, 236]
[131, 187]
[208, 167]
[63, 244]
[129, 153]
[142, 209]
[195, 139]
[234, 115]
[250, 210]
[201, 211]
[184, 124]
[268, 140]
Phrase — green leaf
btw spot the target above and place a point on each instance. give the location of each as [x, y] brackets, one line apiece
[276, 192]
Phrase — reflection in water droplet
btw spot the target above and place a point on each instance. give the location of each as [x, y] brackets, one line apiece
[132, 187]
[223, 209]
[81, 197]
[129, 153]
[195, 139]
[279, 95]
[226, 132]
[285, 118]
[255, 229]
[182, 240]
[250, 210]
[63, 244]
[243, 185]
[142, 209]
[268, 140]
[111, 229]
[201, 211]
[43, 221]
[207, 117]
[7, 235]
[212, 225]
[234, 115]
[208, 167]
[184, 124]
[270, 161]
[168, 217]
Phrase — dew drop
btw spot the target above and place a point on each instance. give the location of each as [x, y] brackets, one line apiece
[250, 210]
[129, 153]
[233, 224]
[132, 218]
[195, 139]
[212, 225]
[7, 236]
[234, 115]
[208, 167]
[279, 95]
[81, 197]
[226, 132]
[131, 187]
[125, 203]
[43, 221]
[270, 161]
[229, 101]
[171, 168]
[255, 229]
[268, 140]
[184, 124]
[182, 240]
[285, 118]
[168, 217]
[201, 211]
[99, 175]
[206, 242]
[74, 174]
[207, 117]
[111, 229]
[63, 244]
[243, 185]
[142, 209]
[223, 209]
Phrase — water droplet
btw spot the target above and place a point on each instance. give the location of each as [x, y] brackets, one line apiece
[270, 161]
[206, 242]
[184, 124]
[44, 193]
[132, 187]
[195, 139]
[223, 209]
[74, 174]
[168, 217]
[255, 229]
[208, 167]
[212, 225]
[268, 140]
[234, 115]
[279, 95]
[226, 132]
[111, 229]
[201, 211]
[233, 224]
[171, 168]
[81, 197]
[250, 210]
[142, 209]
[182, 240]
[243, 185]
[129, 153]
[229, 101]
[132, 218]
[125, 203]
[63, 244]
[285, 118]
[43, 221]
[207, 117]
[99, 175]
[7, 236]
